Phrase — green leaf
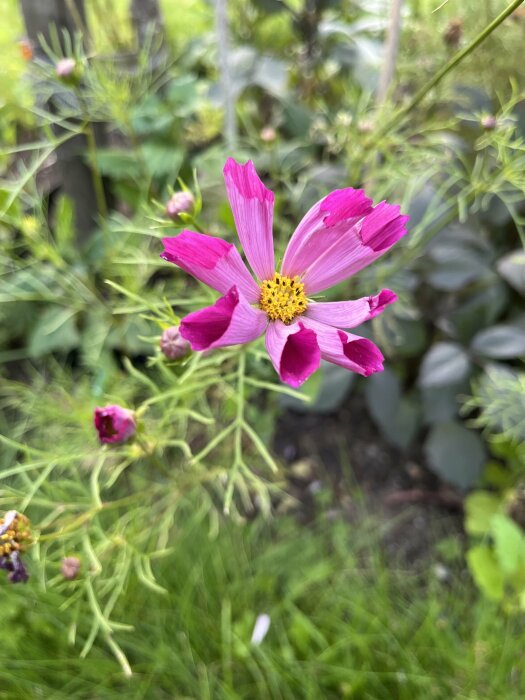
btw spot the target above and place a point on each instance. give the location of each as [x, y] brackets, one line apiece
[55, 330]
[444, 364]
[396, 415]
[504, 341]
[485, 570]
[509, 543]
[455, 453]
[480, 507]
[512, 269]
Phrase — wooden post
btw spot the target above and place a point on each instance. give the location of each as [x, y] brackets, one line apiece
[223, 47]
[391, 48]
[74, 173]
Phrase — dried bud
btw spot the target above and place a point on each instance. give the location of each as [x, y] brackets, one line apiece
[268, 134]
[15, 538]
[489, 122]
[70, 567]
[26, 48]
[67, 70]
[114, 424]
[453, 32]
[180, 202]
[173, 345]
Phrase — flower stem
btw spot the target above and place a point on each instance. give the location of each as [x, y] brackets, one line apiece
[450, 65]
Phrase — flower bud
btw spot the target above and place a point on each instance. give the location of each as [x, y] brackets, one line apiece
[489, 122]
[114, 423]
[453, 32]
[67, 70]
[26, 48]
[173, 345]
[268, 134]
[70, 567]
[180, 202]
[15, 538]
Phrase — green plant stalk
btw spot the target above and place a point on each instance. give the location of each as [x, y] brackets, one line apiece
[95, 173]
[454, 61]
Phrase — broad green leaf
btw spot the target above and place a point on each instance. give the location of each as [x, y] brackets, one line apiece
[455, 453]
[444, 364]
[486, 572]
[509, 542]
[504, 341]
[512, 269]
[480, 507]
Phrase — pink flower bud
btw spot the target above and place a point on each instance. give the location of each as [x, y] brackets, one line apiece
[268, 134]
[180, 202]
[70, 567]
[65, 68]
[114, 423]
[173, 345]
[489, 122]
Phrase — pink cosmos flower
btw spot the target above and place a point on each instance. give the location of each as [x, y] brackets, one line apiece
[340, 235]
[114, 423]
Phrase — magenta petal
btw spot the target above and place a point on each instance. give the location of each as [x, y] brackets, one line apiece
[353, 352]
[252, 207]
[334, 217]
[380, 301]
[230, 321]
[293, 350]
[114, 424]
[383, 227]
[211, 260]
[348, 314]
[355, 247]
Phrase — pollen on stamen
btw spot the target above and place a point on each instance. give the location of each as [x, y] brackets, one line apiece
[283, 298]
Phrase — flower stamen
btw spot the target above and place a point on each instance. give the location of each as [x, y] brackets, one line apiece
[283, 298]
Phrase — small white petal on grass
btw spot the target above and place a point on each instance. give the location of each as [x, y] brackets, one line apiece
[260, 630]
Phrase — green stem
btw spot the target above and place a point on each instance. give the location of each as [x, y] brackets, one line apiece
[454, 61]
[95, 173]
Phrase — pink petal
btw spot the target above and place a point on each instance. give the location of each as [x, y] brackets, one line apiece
[230, 321]
[211, 260]
[323, 226]
[348, 314]
[328, 248]
[357, 354]
[252, 207]
[293, 351]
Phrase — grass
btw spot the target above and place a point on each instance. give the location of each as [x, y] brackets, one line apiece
[344, 625]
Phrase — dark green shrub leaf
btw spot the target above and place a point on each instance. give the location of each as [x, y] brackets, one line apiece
[500, 342]
[455, 453]
[444, 364]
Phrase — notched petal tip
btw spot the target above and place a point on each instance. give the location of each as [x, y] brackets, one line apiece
[345, 204]
[378, 302]
[300, 358]
[246, 181]
[189, 246]
[383, 227]
[363, 353]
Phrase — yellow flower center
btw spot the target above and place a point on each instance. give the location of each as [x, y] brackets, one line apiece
[16, 536]
[283, 298]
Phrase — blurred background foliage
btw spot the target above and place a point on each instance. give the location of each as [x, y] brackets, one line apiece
[80, 318]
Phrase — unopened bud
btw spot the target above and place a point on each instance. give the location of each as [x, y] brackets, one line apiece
[114, 423]
[366, 126]
[70, 567]
[453, 32]
[66, 70]
[489, 122]
[173, 345]
[268, 134]
[180, 202]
